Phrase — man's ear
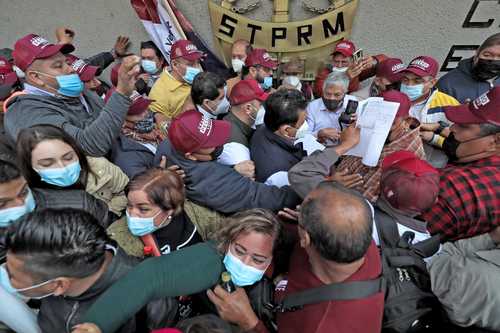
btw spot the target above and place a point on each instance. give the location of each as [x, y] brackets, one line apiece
[63, 285]
[190, 156]
[434, 81]
[304, 238]
[34, 77]
[286, 131]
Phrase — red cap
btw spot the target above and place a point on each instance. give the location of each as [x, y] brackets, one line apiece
[7, 73]
[262, 58]
[139, 104]
[423, 66]
[192, 131]
[346, 47]
[246, 91]
[409, 183]
[85, 71]
[183, 48]
[398, 97]
[32, 47]
[484, 109]
[391, 69]
[114, 74]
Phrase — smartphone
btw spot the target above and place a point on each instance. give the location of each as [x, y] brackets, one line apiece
[351, 108]
[358, 55]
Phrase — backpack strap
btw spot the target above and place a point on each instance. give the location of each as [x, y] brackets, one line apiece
[387, 229]
[332, 292]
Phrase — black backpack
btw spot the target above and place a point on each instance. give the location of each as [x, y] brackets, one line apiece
[410, 305]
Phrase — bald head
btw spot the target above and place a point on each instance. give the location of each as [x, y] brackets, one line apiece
[338, 221]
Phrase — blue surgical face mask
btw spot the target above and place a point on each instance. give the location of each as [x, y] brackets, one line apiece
[140, 226]
[413, 92]
[268, 82]
[69, 85]
[5, 283]
[62, 177]
[149, 66]
[191, 72]
[9, 215]
[241, 274]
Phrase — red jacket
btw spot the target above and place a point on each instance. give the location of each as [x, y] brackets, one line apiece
[353, 85]
[354, 316]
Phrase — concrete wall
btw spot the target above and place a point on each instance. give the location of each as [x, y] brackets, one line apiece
[402, 28]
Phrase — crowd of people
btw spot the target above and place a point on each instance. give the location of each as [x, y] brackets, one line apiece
[174, 199]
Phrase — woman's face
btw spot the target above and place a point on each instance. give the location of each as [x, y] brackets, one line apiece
[139, 205]
[253, 249]
[52, 154]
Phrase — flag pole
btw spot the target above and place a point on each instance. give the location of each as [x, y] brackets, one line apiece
[171, 13]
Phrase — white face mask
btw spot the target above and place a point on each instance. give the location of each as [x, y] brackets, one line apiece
[293, 81]
[259, 119]
[340, 69]
[302, 131]
[237, 65]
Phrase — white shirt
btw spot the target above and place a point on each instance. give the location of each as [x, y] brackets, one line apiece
[319, 117]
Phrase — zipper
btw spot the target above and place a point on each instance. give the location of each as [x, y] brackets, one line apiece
[71, 315]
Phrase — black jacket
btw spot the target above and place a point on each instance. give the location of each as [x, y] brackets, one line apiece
[221, 188]
[131, 156]
[272, 153]
[60, 314]
[460, 84]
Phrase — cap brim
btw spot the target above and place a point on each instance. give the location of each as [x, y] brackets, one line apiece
[270, 64]
[397, 77]
[416, 71]
[262, 97]
[193, 56]
[396, 158]
[344, 53]
[461, 114]
[50, 50]
[89, 73]
[220, 134]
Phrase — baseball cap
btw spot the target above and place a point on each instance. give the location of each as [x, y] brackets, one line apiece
[346, 47]
[398, 97]
[139, 104]
[423, 66]
[183, 48]
[409, 183]
[32, 47]
[262, 58]
[246, 91]
[85, 71]
[192, 131]
[391, 69]
[7, 74]
[484, 109]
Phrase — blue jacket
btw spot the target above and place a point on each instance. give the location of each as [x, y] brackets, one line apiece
[460, 84]
[272, 153]
[221, 188]
[131, 156]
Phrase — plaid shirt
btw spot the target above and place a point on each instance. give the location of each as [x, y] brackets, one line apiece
[469, 200]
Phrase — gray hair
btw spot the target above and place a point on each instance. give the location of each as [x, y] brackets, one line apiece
[339, 79]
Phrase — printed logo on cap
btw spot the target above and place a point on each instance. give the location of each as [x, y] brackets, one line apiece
[2, 63]
[266, 56]
[205, 126]
[398, 67]
[39, 42]
[79, 65]
[344, 46]
[135, 96]
[422, 64]
[191, 48]
[481, 101]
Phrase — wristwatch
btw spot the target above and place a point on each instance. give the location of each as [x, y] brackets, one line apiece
[442, 126]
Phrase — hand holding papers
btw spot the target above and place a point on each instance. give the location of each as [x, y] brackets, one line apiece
[375, 118]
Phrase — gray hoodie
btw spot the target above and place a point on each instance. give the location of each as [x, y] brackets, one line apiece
[95, 127]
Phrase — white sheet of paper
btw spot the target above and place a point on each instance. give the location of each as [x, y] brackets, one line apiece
[233, 154]
[375, 118]
[310, 144]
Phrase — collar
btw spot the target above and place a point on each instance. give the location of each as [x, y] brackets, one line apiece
[30, 89]
[401, 218]
[245, 129]
[205, 113]
[283, 143]
[175, 84]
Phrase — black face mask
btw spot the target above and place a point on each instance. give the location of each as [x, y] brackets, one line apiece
[216, 153]
[486, 69]
[450, 146]
[332, 104]
[145, 125]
